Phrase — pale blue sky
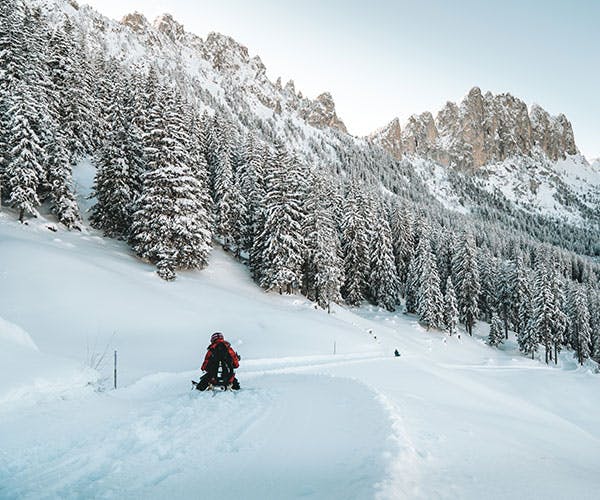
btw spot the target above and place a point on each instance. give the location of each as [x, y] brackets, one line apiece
[382, 59]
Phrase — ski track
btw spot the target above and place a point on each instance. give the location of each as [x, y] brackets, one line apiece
[150, 439]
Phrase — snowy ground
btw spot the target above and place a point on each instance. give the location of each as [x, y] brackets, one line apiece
[450, 418]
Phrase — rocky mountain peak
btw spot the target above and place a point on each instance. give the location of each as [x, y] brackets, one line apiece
[225, 53]
[136, 21]
[482, 129]
[167, 25]
[321, 113]
[390, 138]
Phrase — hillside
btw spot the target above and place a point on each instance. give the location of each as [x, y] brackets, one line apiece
[449, 418]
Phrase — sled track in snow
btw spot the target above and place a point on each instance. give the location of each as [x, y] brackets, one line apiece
[285, 434]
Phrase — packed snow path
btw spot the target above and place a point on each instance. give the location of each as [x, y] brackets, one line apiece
[282, 436]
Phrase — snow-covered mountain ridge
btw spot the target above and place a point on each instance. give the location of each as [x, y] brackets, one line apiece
[484, 130]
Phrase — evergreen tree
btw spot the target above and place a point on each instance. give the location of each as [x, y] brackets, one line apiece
[466, 279]
[259, 166]
[60, 182]
[543, 317]
[430, 304]
[450, 308]
[404, 242]
[488, 280]
[224, 195]
[171, 226]
[24, 169]
[354, 249]
[580, 335]
[250, 182]
[415, 269]
[72, 105]
[559, 317]
[496, 336]
[282, 241]
[594, 310]
[117, 184]
[322, 264]
[520, 304]
[383, 278]
[505, 294]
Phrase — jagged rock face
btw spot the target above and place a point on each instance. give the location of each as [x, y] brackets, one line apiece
[420, 134]
[224, 52]
[168, 26]
[321, 113]
[483, 129]
[136, 21]
[390, 138]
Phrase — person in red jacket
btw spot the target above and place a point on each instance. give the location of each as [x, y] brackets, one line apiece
[219, 364]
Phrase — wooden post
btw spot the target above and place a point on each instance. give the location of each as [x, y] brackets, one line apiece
[115, 371]
[334, 347]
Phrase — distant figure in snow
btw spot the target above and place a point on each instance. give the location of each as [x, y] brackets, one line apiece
[396, 353]
[219, 364]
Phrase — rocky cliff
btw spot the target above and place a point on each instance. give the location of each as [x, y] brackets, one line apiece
[482, 129]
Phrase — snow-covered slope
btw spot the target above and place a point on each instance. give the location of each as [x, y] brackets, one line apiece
[326, 410]
[567, 190]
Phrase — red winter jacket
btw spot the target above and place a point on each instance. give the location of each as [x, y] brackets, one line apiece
[209, 354]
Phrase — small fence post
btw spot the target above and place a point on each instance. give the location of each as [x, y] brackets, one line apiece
[115, 371]
[334, 347]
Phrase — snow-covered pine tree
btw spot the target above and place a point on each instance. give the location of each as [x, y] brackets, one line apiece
[520, 302]
[13, 58]
[579, 331]
[223, 194]
[258, 165]
[559, 317]
[488, 279]
[209, 143]
[281, 237]
[24, 169]
[118, 175]
[444, 251]
[354, 248]
[414, 276]
[496, 335]
[430, 306]
[528, 338]
[465, 276]
[171, 226]
[450, 308]
[196, 155]
[542, 314]
[72, 104]
[322, 264]
[383, 278]
[593, 303]
[505, 293]
[404, 242]
[249, 180]
[133, 143]
[60, 180]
